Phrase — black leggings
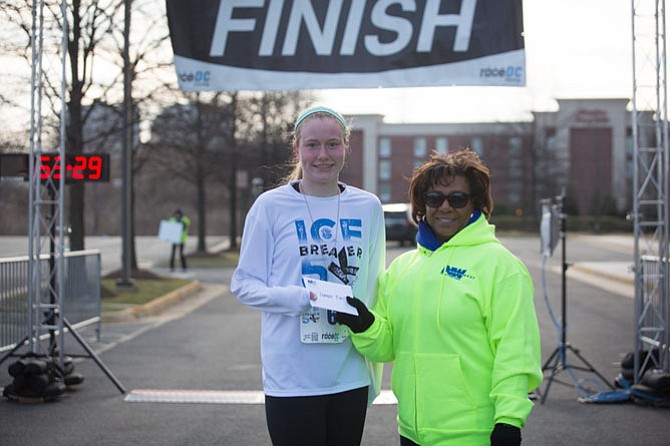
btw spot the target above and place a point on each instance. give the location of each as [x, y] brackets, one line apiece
[324, 420]
[180, 248]
[407, 442]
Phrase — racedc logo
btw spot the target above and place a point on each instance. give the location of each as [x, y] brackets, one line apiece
[510, 73]
[455, 272]
[198, 77]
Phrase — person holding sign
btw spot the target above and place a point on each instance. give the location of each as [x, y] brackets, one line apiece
[455, 316]
[179, 217]
[310, 230]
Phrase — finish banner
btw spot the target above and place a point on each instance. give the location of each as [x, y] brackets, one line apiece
[229, 45]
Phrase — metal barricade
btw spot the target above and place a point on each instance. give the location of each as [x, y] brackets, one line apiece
[652, 315]
[81, 299]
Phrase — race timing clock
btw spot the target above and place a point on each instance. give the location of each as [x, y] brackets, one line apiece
[89, 167]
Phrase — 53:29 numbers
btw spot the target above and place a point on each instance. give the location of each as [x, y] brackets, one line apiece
[82, 167]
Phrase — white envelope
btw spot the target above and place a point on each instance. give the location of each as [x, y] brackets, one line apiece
[331, 296]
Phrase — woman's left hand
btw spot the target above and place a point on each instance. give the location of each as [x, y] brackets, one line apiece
[505, 435]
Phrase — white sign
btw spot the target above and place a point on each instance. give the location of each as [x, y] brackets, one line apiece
[331, 296]
[170, 231]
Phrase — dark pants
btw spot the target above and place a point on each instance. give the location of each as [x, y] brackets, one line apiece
[181, 255]
[324, 420]
[407, 442]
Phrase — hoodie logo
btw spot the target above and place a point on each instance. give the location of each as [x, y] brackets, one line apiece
[454, 273]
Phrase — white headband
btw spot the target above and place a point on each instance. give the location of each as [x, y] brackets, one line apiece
[311, 111]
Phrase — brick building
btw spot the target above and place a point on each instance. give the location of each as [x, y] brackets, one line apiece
[583, 148]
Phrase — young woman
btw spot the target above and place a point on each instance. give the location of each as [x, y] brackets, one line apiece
[317, 386]
[455, 316]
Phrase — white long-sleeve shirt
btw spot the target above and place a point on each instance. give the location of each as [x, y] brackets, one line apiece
[280, 245]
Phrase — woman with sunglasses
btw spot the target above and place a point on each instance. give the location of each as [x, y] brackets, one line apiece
[455, 316]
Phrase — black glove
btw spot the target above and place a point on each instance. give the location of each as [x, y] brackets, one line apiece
[505, 435]
[360, 323]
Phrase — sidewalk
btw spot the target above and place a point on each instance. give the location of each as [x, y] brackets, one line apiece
[615, 277]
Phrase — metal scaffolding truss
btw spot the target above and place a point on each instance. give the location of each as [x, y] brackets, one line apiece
[650, 186]
[46, 287]
[46, 228]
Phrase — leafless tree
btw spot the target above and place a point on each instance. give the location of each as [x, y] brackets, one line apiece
[89, 24]
[223, 137]
[234, 131]
[188, 142]
[95, 76]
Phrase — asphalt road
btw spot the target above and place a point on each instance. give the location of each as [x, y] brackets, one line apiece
[208, 347]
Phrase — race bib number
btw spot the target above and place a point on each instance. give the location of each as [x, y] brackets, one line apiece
[318, 326]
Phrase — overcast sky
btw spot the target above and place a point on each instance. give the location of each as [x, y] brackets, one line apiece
[574, 49]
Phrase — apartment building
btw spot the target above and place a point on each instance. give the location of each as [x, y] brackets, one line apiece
[583, 148]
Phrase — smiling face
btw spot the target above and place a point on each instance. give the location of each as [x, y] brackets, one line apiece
[321, 148]
[445, 220]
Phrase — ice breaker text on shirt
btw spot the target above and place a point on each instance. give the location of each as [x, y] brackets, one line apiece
[328, 253]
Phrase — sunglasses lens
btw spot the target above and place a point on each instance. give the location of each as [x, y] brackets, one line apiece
[435, 199]
[456, 200]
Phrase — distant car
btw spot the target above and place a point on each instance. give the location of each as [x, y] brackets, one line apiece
[399, 224]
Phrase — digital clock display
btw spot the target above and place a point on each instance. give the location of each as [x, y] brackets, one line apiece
[77, 168]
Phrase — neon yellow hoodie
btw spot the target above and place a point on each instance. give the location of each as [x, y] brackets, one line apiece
[459, 325]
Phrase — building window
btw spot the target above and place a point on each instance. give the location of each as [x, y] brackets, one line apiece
[630, 149]
[384, 148]
[385, 169]
[477, 145]
[385, 192]
[515, 146]
[515, 172]
[442, 145]
[550, 140]
[514, 196]
[630, 155]
[420, 147]
[515, 169]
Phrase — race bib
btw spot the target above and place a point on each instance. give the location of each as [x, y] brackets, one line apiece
[318, 326]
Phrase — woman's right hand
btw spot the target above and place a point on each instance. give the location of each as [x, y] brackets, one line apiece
[357, 324]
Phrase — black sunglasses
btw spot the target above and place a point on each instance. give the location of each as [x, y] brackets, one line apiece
[457, 200]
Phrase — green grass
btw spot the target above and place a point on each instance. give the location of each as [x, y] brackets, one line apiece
[147, 286]
[141, 291]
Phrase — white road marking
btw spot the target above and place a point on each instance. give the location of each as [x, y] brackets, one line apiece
[386, 397]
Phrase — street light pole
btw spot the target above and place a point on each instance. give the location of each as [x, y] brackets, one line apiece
[125, 279]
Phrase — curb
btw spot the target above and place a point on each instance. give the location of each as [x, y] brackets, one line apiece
[623, 279]
[153, 307]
